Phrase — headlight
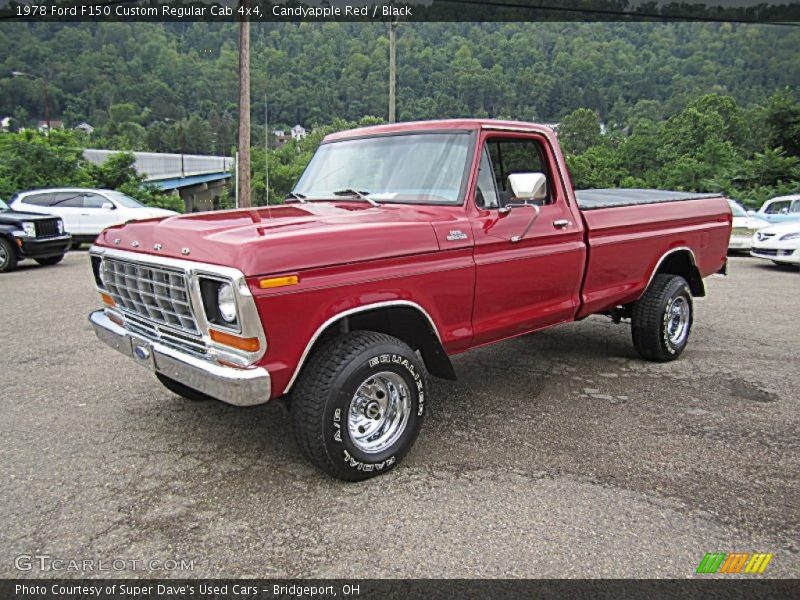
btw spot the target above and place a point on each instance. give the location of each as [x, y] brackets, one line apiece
[29, 228]
[226, 300]
[790, 236]
[60, 226]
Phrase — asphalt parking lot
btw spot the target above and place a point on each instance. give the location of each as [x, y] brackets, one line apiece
[555, 455]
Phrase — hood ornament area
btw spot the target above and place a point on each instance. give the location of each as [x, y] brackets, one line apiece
[185, 251]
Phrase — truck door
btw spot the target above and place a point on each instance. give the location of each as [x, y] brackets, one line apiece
[529, 254]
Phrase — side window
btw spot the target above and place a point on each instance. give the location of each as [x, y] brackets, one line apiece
[67, 200]
[795, 207]
[776, 208]
[94, 201]
[38, 199]
[486, 193]
[515, 155]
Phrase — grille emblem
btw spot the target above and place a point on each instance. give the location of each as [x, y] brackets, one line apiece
[185, 251]
[135, 244]
[156, 247]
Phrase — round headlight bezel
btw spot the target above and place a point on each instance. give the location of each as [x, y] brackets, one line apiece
[226, 304]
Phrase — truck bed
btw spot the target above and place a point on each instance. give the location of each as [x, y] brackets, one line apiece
[629, 231]
[611, 198]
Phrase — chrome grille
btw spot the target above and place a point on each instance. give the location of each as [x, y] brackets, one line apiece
[156, 294]
[166, 335]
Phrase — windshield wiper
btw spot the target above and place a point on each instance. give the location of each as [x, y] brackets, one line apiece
[364, 195]
[295, 196]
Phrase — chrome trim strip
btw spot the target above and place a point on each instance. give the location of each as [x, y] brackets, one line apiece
[661, 260]
[249, 320]
[240, 387]
[347, 313]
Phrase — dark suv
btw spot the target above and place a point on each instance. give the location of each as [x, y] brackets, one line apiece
[29, 235]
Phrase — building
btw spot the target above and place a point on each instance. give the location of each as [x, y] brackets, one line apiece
[42, 125]
[84, 127]
[280, 138]
[299, 132]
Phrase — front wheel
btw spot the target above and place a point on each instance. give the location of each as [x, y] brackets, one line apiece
[8, 257]
[50, 260]
[358, 405]
[662, 319]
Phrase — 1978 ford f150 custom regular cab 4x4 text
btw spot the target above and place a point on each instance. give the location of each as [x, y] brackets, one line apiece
[400, 246]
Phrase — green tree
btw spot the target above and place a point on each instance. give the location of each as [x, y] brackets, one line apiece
[579, 130]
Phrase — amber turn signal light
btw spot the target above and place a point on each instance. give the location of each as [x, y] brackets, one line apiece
[107, 299]
[234, 341]
[273, 282]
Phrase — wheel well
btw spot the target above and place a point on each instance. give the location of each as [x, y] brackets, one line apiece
[403, 322]
[681, 262]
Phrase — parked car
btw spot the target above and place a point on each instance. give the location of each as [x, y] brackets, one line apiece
[744, 227]
[29, 235]
[403, 245]
[779, 243]
[86, 212]
[780, 209]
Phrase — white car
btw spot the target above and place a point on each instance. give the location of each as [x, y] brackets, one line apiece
[779, 243]
[86, 212]
[744, 227]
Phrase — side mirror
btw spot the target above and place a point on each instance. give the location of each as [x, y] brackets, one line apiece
[784, 211]
[751, 213]
[108, 206]
[528, 186]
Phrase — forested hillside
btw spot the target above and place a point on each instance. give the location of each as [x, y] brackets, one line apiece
[134, 81]
[686, 106]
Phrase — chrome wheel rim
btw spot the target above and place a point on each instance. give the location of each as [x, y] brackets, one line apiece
[678, 314]
[379, 412]
[3, 256]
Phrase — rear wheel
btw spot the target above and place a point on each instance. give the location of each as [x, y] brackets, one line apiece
[50, 260]
[358, 405]
[181, 390]
[8, 257]
[662, 319]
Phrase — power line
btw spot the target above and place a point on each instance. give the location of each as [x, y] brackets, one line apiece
[615, 13]
[628, 15]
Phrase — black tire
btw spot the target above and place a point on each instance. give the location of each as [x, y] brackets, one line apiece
[181, 390]
[50, 260]
[8, 256]
[652, 325]
[75, 245]
[322, 398]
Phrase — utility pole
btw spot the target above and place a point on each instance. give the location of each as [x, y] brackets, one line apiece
[392, 70]
[266, 147]
[243, 167]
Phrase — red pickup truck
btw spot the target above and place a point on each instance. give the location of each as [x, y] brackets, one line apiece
[400, 246]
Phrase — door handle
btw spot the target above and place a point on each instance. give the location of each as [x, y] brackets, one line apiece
[561, 223]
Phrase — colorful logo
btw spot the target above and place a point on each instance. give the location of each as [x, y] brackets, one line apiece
[736, 562]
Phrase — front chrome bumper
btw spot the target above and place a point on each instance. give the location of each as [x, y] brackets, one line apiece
[240, 387]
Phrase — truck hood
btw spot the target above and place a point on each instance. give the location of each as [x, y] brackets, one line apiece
[286, 238]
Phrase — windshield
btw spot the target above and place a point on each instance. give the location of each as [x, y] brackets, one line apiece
[3, 206]
[417, 168]
[124, 200]
[737, 209]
